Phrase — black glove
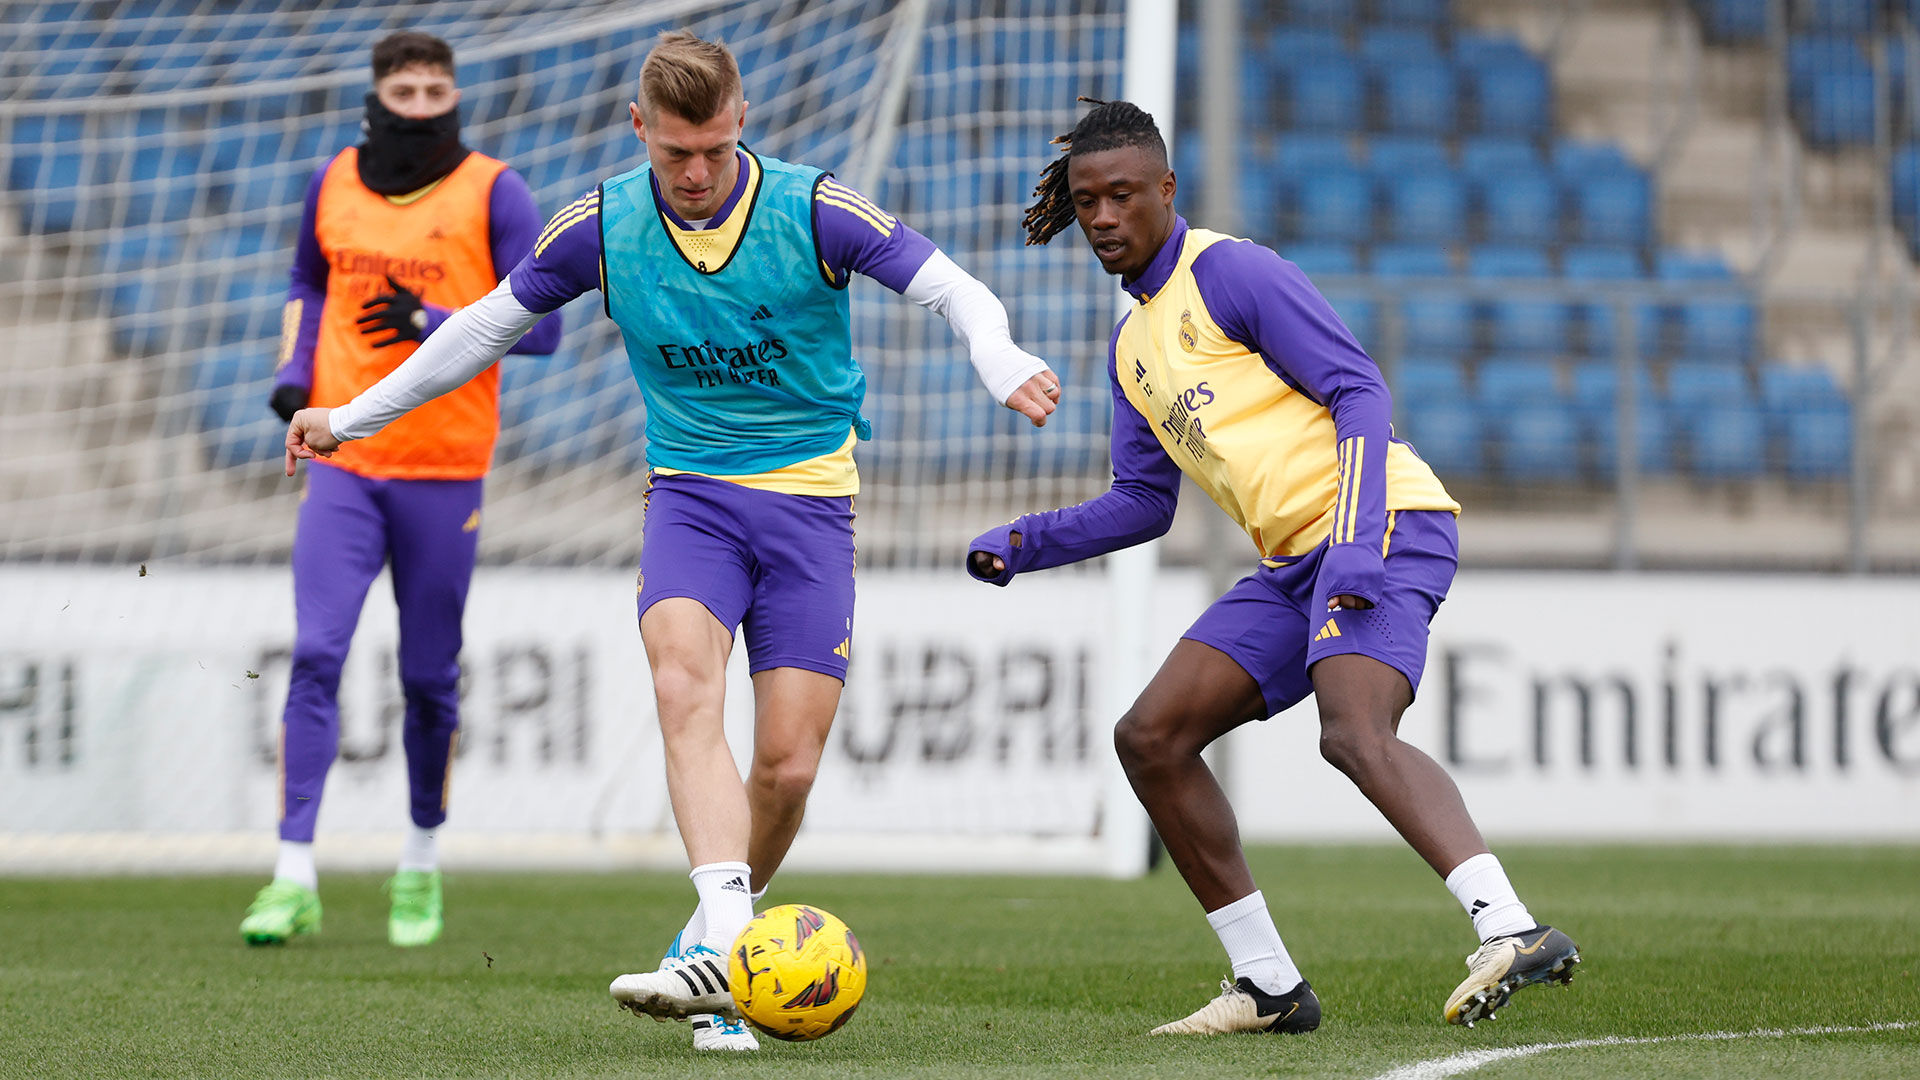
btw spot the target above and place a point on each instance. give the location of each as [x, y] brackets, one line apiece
[288, 399]
[398, 313]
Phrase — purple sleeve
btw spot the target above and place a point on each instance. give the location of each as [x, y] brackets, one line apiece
[1265, 303]
[306, 291]
[564, 260]
[856, 236]
[516, 225]
[1138, 507]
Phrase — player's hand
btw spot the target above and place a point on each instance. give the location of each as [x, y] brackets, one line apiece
[1345, 601]
[287, 399]
[986, 564]
[310, 435]
[399, 314]
[1037, 397]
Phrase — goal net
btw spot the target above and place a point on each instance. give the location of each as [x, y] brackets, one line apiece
[156, 155]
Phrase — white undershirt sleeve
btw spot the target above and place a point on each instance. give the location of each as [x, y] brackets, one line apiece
[468, 343]
[980, 322]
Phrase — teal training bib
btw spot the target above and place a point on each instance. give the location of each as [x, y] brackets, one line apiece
[746, 366]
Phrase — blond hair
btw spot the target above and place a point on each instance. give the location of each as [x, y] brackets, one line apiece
[690, 78]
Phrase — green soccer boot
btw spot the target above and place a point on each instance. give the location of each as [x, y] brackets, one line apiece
[415, 918]
[282, 910]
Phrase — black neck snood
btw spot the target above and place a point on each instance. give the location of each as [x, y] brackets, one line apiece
[402, 155]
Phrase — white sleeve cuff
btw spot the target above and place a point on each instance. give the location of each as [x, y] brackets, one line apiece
[979, 320]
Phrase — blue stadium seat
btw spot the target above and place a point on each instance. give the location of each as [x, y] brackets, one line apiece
[1445, 432]
[1809, 421]
[1426, 13]
[1576, 158]
[1484, 157]
[1472, 48]
[1383, 46]
[230, 389]
[1391, 154]
[1323, 257]
[1426, 204]
[1613, 208]
[1520, 206]
[1694, 386]
[1836, 16]
[1419, 97]
[1511, 97]
[1411, 260]
[1436, 320]
[1326, 94]
[1818, 445]
[1733, 22]
[1537, 441]
[1335, 204]
[1291, 46]
[1262, 197]
[1594, 263]
[1296, 153]
[1709, 327]
[1596, 401]
[1601, 263]
[1331, 13]
[1837, 108]
[1421, 378]
[1728, 442]
[1521, 324]
[1507, 381]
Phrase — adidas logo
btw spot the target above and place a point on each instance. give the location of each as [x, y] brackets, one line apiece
[1478, 907]
[844, 650]
[737, 884]
[1330, 630]
[759, 313]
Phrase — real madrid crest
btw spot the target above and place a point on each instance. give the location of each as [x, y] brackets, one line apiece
[1188, 338]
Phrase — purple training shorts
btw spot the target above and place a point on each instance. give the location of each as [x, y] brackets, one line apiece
[778, 566]
[1275, 624]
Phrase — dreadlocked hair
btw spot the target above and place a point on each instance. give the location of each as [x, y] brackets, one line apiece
[1109, 126]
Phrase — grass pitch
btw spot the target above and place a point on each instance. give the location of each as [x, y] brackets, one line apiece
[992, 977]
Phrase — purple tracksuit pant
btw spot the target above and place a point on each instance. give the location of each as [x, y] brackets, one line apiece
[350, 526]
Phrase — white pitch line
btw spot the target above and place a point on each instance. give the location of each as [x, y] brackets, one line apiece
[1467, 1061]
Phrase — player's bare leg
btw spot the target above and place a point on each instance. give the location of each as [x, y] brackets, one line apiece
[1361, 702]
[687, 650]
[793, 712]
[1199, 695]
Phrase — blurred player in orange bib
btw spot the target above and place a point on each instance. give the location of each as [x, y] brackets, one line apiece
[397, 233]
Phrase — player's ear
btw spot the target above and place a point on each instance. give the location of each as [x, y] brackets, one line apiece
[742, 126]
[639, 122]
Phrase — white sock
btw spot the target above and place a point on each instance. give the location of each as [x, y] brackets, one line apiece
[696, 928]
[296, 864]
[727, 900]
[421, 851]
[1481, 887]
[1253, 944]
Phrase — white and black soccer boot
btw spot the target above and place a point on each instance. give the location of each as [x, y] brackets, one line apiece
[1243, 1006]
[712, 1031]
[1505, 964]
[695, 983]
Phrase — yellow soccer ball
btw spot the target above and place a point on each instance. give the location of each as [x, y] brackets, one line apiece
[797, 972]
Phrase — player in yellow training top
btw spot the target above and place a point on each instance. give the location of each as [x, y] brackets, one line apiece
[1231, 368]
